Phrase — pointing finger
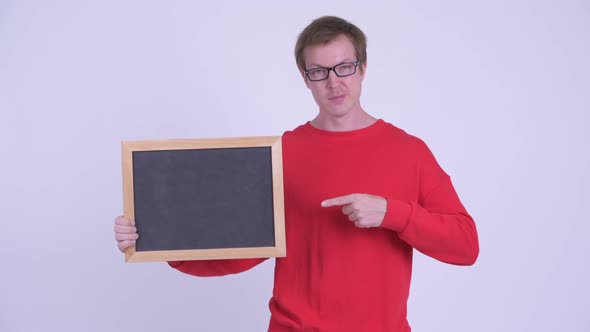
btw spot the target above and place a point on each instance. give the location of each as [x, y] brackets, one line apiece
[336, 201]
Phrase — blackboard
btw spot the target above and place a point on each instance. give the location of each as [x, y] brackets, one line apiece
[204, 198]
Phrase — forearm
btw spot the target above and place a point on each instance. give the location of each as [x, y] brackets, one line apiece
[214, 268]
[440, 227]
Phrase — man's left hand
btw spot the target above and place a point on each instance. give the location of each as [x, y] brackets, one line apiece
[363, 209]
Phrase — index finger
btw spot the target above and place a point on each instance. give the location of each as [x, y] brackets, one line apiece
[336, 201]
[120, 220]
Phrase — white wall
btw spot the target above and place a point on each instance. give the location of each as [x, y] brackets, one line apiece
[500, 90]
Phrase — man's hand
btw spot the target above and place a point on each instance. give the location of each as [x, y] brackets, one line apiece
[125, 233]
[363, 209]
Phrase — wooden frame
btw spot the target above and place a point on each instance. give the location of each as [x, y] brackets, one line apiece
[274, 143]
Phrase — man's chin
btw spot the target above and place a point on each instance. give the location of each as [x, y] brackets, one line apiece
[336, 112]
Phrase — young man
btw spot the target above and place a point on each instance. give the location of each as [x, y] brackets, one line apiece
[360, 194]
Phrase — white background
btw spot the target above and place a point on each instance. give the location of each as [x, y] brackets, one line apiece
[500, 91]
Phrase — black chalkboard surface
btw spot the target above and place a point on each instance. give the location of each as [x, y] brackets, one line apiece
[205, 198]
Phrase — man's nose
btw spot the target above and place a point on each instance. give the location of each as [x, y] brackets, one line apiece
[333, 79]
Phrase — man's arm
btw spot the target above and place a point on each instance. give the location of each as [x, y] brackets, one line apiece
[437, 224]
[438, 227]
[214, 268]
[126, 236]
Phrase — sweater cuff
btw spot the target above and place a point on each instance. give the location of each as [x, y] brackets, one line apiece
[397, 215]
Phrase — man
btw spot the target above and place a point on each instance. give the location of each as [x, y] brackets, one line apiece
[360, 194]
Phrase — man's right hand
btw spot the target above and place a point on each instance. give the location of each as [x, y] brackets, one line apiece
[125, 233]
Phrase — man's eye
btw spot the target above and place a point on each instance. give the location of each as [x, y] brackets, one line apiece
[346, 67]
[317, 72]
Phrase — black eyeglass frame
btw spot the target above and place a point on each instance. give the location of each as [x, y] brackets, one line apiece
[355, 63]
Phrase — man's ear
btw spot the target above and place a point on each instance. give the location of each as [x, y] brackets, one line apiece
[363, 69]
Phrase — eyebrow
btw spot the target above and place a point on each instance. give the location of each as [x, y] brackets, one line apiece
[315, 65]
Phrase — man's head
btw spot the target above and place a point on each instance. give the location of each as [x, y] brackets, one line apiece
[332, 57]
[326, 28]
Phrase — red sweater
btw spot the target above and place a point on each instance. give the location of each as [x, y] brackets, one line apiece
[337, 277]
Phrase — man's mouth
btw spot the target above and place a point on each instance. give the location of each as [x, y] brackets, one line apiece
[336, 98]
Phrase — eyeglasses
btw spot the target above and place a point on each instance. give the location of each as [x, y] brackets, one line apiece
[322, 73]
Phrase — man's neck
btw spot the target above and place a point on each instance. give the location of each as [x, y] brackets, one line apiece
[348, 122]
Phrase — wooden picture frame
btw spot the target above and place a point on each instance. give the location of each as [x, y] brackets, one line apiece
[160, 178]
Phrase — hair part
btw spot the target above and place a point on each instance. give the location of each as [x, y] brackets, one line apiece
[324, 29]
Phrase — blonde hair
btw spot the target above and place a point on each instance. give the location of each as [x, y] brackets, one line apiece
[322, 30]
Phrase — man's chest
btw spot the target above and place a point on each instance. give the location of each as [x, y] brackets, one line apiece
[315, 173]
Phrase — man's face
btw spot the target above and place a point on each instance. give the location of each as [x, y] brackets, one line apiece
[336, 96]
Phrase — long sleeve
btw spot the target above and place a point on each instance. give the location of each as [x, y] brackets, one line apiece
[338, 277]
[214, 268]
[437, 224]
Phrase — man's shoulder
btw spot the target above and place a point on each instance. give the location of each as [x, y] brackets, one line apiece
[400, 136]
[296, 131]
